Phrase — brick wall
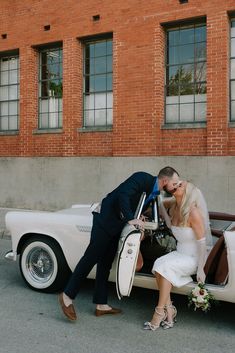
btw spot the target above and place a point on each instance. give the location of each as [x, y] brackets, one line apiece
[138, 76]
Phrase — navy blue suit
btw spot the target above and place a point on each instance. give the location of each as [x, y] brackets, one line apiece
[117, 208]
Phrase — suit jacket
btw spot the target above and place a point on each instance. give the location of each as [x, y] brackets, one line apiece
[119, 206]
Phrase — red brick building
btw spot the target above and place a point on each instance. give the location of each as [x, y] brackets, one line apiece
[144, 40]
[118, 78]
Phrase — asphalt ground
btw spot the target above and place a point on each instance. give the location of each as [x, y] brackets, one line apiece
[31, 322]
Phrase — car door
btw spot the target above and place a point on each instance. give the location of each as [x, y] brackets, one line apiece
[128, 250]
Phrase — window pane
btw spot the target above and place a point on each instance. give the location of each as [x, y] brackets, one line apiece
[13, 108]
[232, 89]
[233, 47]
[4, 64]
[4, 93]
[100, 49]
[100, 83]
[173, 38]
[90, 50]
[90, 84]
[89, 101]
[109, 116]
[13, 64]
[200, 71]
[109, 64]
[172, 90]
[4, 123]
[60, 121]
[4, 78]
[186, 113]
[53, 119]
[100, 100]
[200, 51]
[187, 36]
[232, 70]
[89, 116]
[186, 53]
[233, 110]
[109, 82]
[200, 88]
[109, 100]
[100, 65]
[44, 105]
[173, 55]
[187, 98]
[172, 113]
[43, 121]
[13, 123]
[3, 109]
[200, 112]
[100, 117]
[186, 89]
[13, 76]
[109, 47]
[172, 100]
[233, 29]
[90, 66]
[200, 34]
[13, 92]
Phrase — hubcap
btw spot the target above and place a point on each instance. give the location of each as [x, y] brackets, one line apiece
[39, 264]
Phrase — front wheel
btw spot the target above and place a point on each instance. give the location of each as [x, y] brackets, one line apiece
[43, 265]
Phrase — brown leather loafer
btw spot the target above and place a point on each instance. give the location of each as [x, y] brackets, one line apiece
[112, 311]
[68, 311]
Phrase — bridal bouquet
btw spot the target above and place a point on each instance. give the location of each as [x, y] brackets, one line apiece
[200, 298]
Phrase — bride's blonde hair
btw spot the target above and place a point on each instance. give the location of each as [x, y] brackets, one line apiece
[193, 197]
[190, 199]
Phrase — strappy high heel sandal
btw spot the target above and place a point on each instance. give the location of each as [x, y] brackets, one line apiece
[169, 324]
[150, 326]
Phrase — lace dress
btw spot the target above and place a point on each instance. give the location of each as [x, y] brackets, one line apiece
[178, 266]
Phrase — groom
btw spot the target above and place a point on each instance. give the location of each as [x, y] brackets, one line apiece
[117, 209]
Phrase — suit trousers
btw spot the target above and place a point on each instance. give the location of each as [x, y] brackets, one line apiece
[101, 251]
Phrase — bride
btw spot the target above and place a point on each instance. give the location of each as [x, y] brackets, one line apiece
[190, 225]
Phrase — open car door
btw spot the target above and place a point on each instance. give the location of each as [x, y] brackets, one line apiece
[128, 251]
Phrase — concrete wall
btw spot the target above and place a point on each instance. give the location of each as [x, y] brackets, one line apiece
[54, 183]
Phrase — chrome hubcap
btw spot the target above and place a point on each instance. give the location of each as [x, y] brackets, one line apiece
[39, 264]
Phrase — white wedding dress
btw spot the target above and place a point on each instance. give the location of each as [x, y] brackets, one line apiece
[178, 266]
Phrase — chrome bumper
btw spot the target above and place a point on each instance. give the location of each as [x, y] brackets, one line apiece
[10, 256]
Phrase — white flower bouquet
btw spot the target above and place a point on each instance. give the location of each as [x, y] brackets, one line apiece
[201, 298]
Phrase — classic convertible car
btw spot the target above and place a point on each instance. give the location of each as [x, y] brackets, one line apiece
[49, 245]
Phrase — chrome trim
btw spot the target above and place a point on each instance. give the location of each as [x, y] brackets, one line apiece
[10, 256]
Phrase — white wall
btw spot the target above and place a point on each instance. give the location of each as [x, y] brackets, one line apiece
[54, 183]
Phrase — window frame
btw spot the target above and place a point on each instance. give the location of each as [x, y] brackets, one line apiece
[55, 121]
[108, 37]
[10, 55]
[232, 121]
[189, 123]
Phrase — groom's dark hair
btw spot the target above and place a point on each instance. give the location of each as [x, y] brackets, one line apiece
[167, 172]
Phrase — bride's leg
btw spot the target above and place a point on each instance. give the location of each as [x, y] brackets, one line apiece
[164, 287]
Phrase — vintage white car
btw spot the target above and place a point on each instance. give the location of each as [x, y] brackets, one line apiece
[49, 245]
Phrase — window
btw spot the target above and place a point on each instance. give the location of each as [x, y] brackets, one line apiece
[98, 82]
[50, 88]
[186, 75]
[232, 72]
[9, 93]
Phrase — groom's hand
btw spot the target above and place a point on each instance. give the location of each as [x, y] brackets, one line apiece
[138, 223]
